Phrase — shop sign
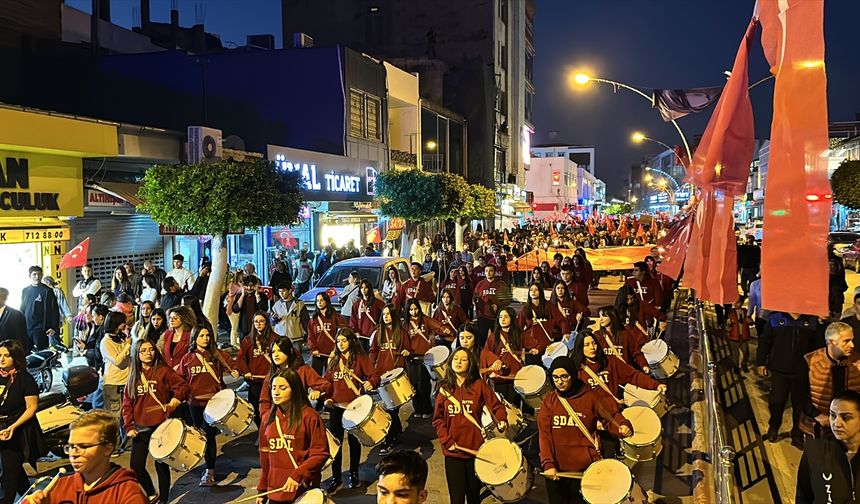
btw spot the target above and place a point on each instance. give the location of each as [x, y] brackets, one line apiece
[328, 177]
[396, 223]
[350, 219]
[42, 185]
[175, 231]
[98, 199]
[34, 235]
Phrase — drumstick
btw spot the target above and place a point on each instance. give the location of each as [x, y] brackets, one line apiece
[605, 414]
[475, 454]
[262, 377]
[263, 494]
[51, 484]
[571, 475]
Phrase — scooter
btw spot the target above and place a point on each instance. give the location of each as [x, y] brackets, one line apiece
[41, 365]
[57, 411]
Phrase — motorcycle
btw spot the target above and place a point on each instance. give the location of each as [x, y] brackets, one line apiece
[41, 364]
[57, 410]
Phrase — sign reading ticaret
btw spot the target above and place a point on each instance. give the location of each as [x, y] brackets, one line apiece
[328, 177]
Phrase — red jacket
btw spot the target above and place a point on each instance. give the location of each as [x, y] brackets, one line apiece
[341, 393]
[145, 411]
[253, 358]
[739, 330]
[451, 423]
[648, 290]
[630, 349]
[494, 350]
[308, 444]
[562, 445]
[422, 335]
[201, 384]
[454, 285]
[578, 291]
[364, 316]
[570, 308]
[455, 318]
[385, 355]
[540, 335]
[420, 289]
[317, 338]
[616, 375]
[310, 380]
[120, 485]
[174, 352]
[490, 293]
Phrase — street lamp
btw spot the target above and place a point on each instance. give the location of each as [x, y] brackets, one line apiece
[638, 137]
[661, 172]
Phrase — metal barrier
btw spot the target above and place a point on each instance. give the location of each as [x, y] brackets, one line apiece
[721, 451]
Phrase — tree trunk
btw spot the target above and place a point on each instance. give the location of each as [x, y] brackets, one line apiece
[459, 229]
[216, 279]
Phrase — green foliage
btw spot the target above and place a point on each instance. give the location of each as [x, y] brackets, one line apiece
[480, 204]
[618, 208]
[418, 196]
[454, 194]
[217, 197]
[845, 183]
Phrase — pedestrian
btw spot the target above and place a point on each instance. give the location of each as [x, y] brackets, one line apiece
[254, 361]
[87, 285]
[183, 276]
[349, 294]
[755, 313]
[156, 328]
[149, 290]
[171, 294]
[234, 290]
[41, 312]
[739, 336]
[279, 274]
[13, 325]
[289, 315]
[140, 326]
[304, 273]
[120, 284]
[115, 349]
[251, 301]
[62, 304]
[149, 268]
[830, 370]
[181, 322]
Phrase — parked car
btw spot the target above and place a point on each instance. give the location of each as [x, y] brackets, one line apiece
[842, 240]
[336, 277]
[851, 256]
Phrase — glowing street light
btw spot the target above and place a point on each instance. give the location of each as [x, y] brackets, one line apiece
[581, 78]
[638, 137]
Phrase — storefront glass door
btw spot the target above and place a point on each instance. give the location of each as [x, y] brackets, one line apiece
[16, 259]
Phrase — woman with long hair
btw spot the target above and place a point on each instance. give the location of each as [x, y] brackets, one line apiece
[120, 283]
[450, 314]
[177, 338]
[502, 356]
[116, 352]
[541, 322]
[138, 329]
[624, 343]
[156, 328]
[153, 392]
[294, 445]
[253, 361]
[466, 339]
[284, 355]
[452, 281]
[467, 290]
[350, 374]
[422, 331]
[612, 372]
[391, 285]
[234, 290]
[365, 313]
[573, 310]
[634, 313]
[193, 302]
[203, 368]
[537, 277]
[321, 330]
[460, 400]
[389, 348]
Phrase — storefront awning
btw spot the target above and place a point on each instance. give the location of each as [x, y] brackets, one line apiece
[520, 206]
[124, 191]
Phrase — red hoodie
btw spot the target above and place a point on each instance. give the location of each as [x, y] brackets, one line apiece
[420, 289]
[341, 393]
[254, 358]
[317, 338]
[201, 384]
[648, 290]
[570, 308]
[308, 444]
[364, 316]
[562, 445]
[631, 339]
[489, 293]
[540, 335]
[451, 319]
[616, 375]
[578, 291]
[454, 285]
[119, 485]
[385, 355]
[422, 335]
[310, 380]
[145, 411]
[494, 350]
[174, 352]
[451, 424]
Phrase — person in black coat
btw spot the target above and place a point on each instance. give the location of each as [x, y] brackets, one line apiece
[250, 301]
[13, 325]
[41, 311]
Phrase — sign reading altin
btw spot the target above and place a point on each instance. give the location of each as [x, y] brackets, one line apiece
[41, 185]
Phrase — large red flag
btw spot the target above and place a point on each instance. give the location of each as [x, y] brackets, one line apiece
[76, 257]
[610, 225]
[673, 247]
[797, 207]
[622, 230]
[640, 233]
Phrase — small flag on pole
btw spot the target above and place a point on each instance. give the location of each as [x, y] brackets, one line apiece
[76, 257]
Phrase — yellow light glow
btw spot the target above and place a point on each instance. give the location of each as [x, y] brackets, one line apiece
[648, 177]
[431, 144]
[633, 199]
[581, 78]
[637, 137]
[662, 182]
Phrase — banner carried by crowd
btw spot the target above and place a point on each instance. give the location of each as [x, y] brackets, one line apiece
[602, 259]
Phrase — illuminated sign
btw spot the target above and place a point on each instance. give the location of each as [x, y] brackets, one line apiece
[328, 177]
[42, 185]
[34, 235]
[556, 178]
[98, 199]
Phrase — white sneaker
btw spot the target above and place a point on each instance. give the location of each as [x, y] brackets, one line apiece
[208, 478]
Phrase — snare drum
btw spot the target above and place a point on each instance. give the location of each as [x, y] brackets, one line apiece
[229, 413]
[509, 476]
[532, 384]
[663, 363]
[395, 389]
[557, 349]
[637, 396]
[178, 445]
[365, 420]
[609, 481]
[333, 448]
[314, 496]
[516, 422]
[646, 442]
[436, 361]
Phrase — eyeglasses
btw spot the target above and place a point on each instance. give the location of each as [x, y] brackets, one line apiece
[561, 377]
[77, 448]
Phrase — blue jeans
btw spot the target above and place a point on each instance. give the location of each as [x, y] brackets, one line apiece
[98, 397]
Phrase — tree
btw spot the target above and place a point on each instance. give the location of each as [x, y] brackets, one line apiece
[480, 203]
[618, 208]
[409, 194]
[212, 199]
[845, 184]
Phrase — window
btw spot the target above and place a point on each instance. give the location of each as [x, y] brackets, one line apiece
[365, 115]
[356, 113]
[373, 109]
[403, 270]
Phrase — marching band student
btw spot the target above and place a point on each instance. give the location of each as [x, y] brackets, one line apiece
[321, 330]
[389, 347]
[402, 478]
[466, 339]
[349, 374]
[635, 313]
[578, 290]
[452, 282]
[19, 429]
[253, 360]
[153, 392]
[365, 313]
[491, 295]
[541, 323]
[502, 356]
[567, 428]
[624, 343]
[459, 403]
[203, 368]
[177, 338]
[156, 328]
[421, 331]
[450, 314]
[572, 309]
[284, 355]
[295, 446]
[467, 290]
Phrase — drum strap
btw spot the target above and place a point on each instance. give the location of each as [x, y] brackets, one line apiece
[579, 424]
[281, 435]
[639, 326]
[600, 382]
[508, 348]
[347, 377]
[207, 366]
[325, 331]
[447, 318]
[419, 331]
[534, 316]
[614, 351]
[453, 400]
[151, 391]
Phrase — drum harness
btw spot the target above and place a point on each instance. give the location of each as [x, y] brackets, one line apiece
[208, 367]
[508, 348]
[600, 382]
[579, 424]
[612, 348]
[536, 319]
[149, 389]
[447, 318]
[346, 372]
[283, 438]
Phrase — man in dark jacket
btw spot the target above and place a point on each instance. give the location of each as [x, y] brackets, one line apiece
[749, 262]
[12, 322]
[826, 473]
[41, 311]
[787, 337]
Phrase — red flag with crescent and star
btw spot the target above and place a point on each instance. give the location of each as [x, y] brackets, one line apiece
[76, 257]
[285, 237]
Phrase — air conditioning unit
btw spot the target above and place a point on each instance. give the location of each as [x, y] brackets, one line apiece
[204, 144]
[302, 40]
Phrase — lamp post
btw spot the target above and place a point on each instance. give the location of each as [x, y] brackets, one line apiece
[638, 137]
[661, 172]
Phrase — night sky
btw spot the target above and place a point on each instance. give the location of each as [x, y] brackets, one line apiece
[646, 43]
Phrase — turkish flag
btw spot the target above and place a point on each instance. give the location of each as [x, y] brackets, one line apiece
[76, 257]
[622, 230]
[373, 236]
[640, 233]
[285, 237]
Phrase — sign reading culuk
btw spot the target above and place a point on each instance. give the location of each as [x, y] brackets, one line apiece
[40, 185]
[328, 177]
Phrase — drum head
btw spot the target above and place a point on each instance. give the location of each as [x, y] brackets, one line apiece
[391, 375]
[530, 379]
[646, 425]
[655, 350]
[507, 457]
[436, 355]
[637, 396]
[220, 405]
[552, 351]
[607, 480]
[357, 411]
[312, 496]
[166, 438]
